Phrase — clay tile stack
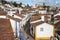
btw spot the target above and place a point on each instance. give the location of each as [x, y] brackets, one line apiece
[6, 32]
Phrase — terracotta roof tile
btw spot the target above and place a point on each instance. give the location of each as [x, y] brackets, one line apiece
[38, 23]
[16, 19]
[6, 32]
[57, 25]
[20, 15]
[3, 13]
[57, 16]
[34, 18]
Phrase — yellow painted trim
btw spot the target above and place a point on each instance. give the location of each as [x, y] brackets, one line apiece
[35, 33]
[53, 31]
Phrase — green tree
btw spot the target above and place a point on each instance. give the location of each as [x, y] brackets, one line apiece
[44, 6]
[20, 4]
[56, 9]
[4, 1]
[15, 4]
[27, 6]
[48, 8]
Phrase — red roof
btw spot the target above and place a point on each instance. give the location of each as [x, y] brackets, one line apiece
[35, 17]
[37, 23]
[3, 13]
[20, 15]
[57, 16]
[16, 19]
[6, 32]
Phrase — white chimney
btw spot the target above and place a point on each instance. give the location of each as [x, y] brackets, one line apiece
[42, 18]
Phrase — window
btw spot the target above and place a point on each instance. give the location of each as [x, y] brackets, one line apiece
[41, 29]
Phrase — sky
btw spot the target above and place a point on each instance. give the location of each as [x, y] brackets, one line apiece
[32, 2]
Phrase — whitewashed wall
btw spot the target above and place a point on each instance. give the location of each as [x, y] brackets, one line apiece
[44, 30]
[13, 24]
[42, 12]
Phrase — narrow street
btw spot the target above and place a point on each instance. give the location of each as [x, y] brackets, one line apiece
[26, 35]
